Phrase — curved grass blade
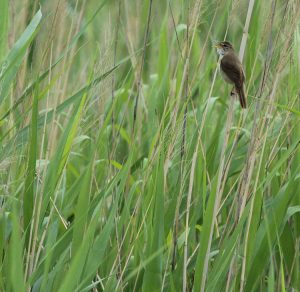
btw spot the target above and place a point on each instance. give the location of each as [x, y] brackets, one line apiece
[267, 233]
[14, 59]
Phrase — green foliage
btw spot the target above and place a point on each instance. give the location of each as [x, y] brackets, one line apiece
[193, 193]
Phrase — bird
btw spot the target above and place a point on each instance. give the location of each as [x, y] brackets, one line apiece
[232, 70]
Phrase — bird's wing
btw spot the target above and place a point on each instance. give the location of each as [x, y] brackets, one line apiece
[232, 67]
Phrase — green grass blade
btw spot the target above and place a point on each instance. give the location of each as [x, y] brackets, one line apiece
[216, 278]
[60, 158]
[81, 211]
[29, 189]
[276, 213]
[205, 235]
[16, 276]
[152, 280]
[3, 28]
[14, 59]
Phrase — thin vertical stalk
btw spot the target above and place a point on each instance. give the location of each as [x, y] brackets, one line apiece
[185, 260]
[139, 80]
[113, 144]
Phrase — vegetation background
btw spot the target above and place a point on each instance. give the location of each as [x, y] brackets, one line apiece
[126, 166]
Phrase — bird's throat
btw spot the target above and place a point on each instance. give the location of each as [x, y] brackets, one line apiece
[221, 52]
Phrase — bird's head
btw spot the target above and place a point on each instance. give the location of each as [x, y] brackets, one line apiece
[223, 47]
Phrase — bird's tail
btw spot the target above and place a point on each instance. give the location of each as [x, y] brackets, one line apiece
[242, 96]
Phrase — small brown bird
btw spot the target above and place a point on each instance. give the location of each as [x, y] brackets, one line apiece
[232, 69]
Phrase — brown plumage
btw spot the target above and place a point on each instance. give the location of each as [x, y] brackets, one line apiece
[232, 70]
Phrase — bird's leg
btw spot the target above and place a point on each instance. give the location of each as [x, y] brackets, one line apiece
[233, 91]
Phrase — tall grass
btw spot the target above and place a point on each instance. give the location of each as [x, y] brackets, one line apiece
[126, 165]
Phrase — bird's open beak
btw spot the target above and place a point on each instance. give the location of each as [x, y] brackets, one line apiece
[214, 43]
[217, 45]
